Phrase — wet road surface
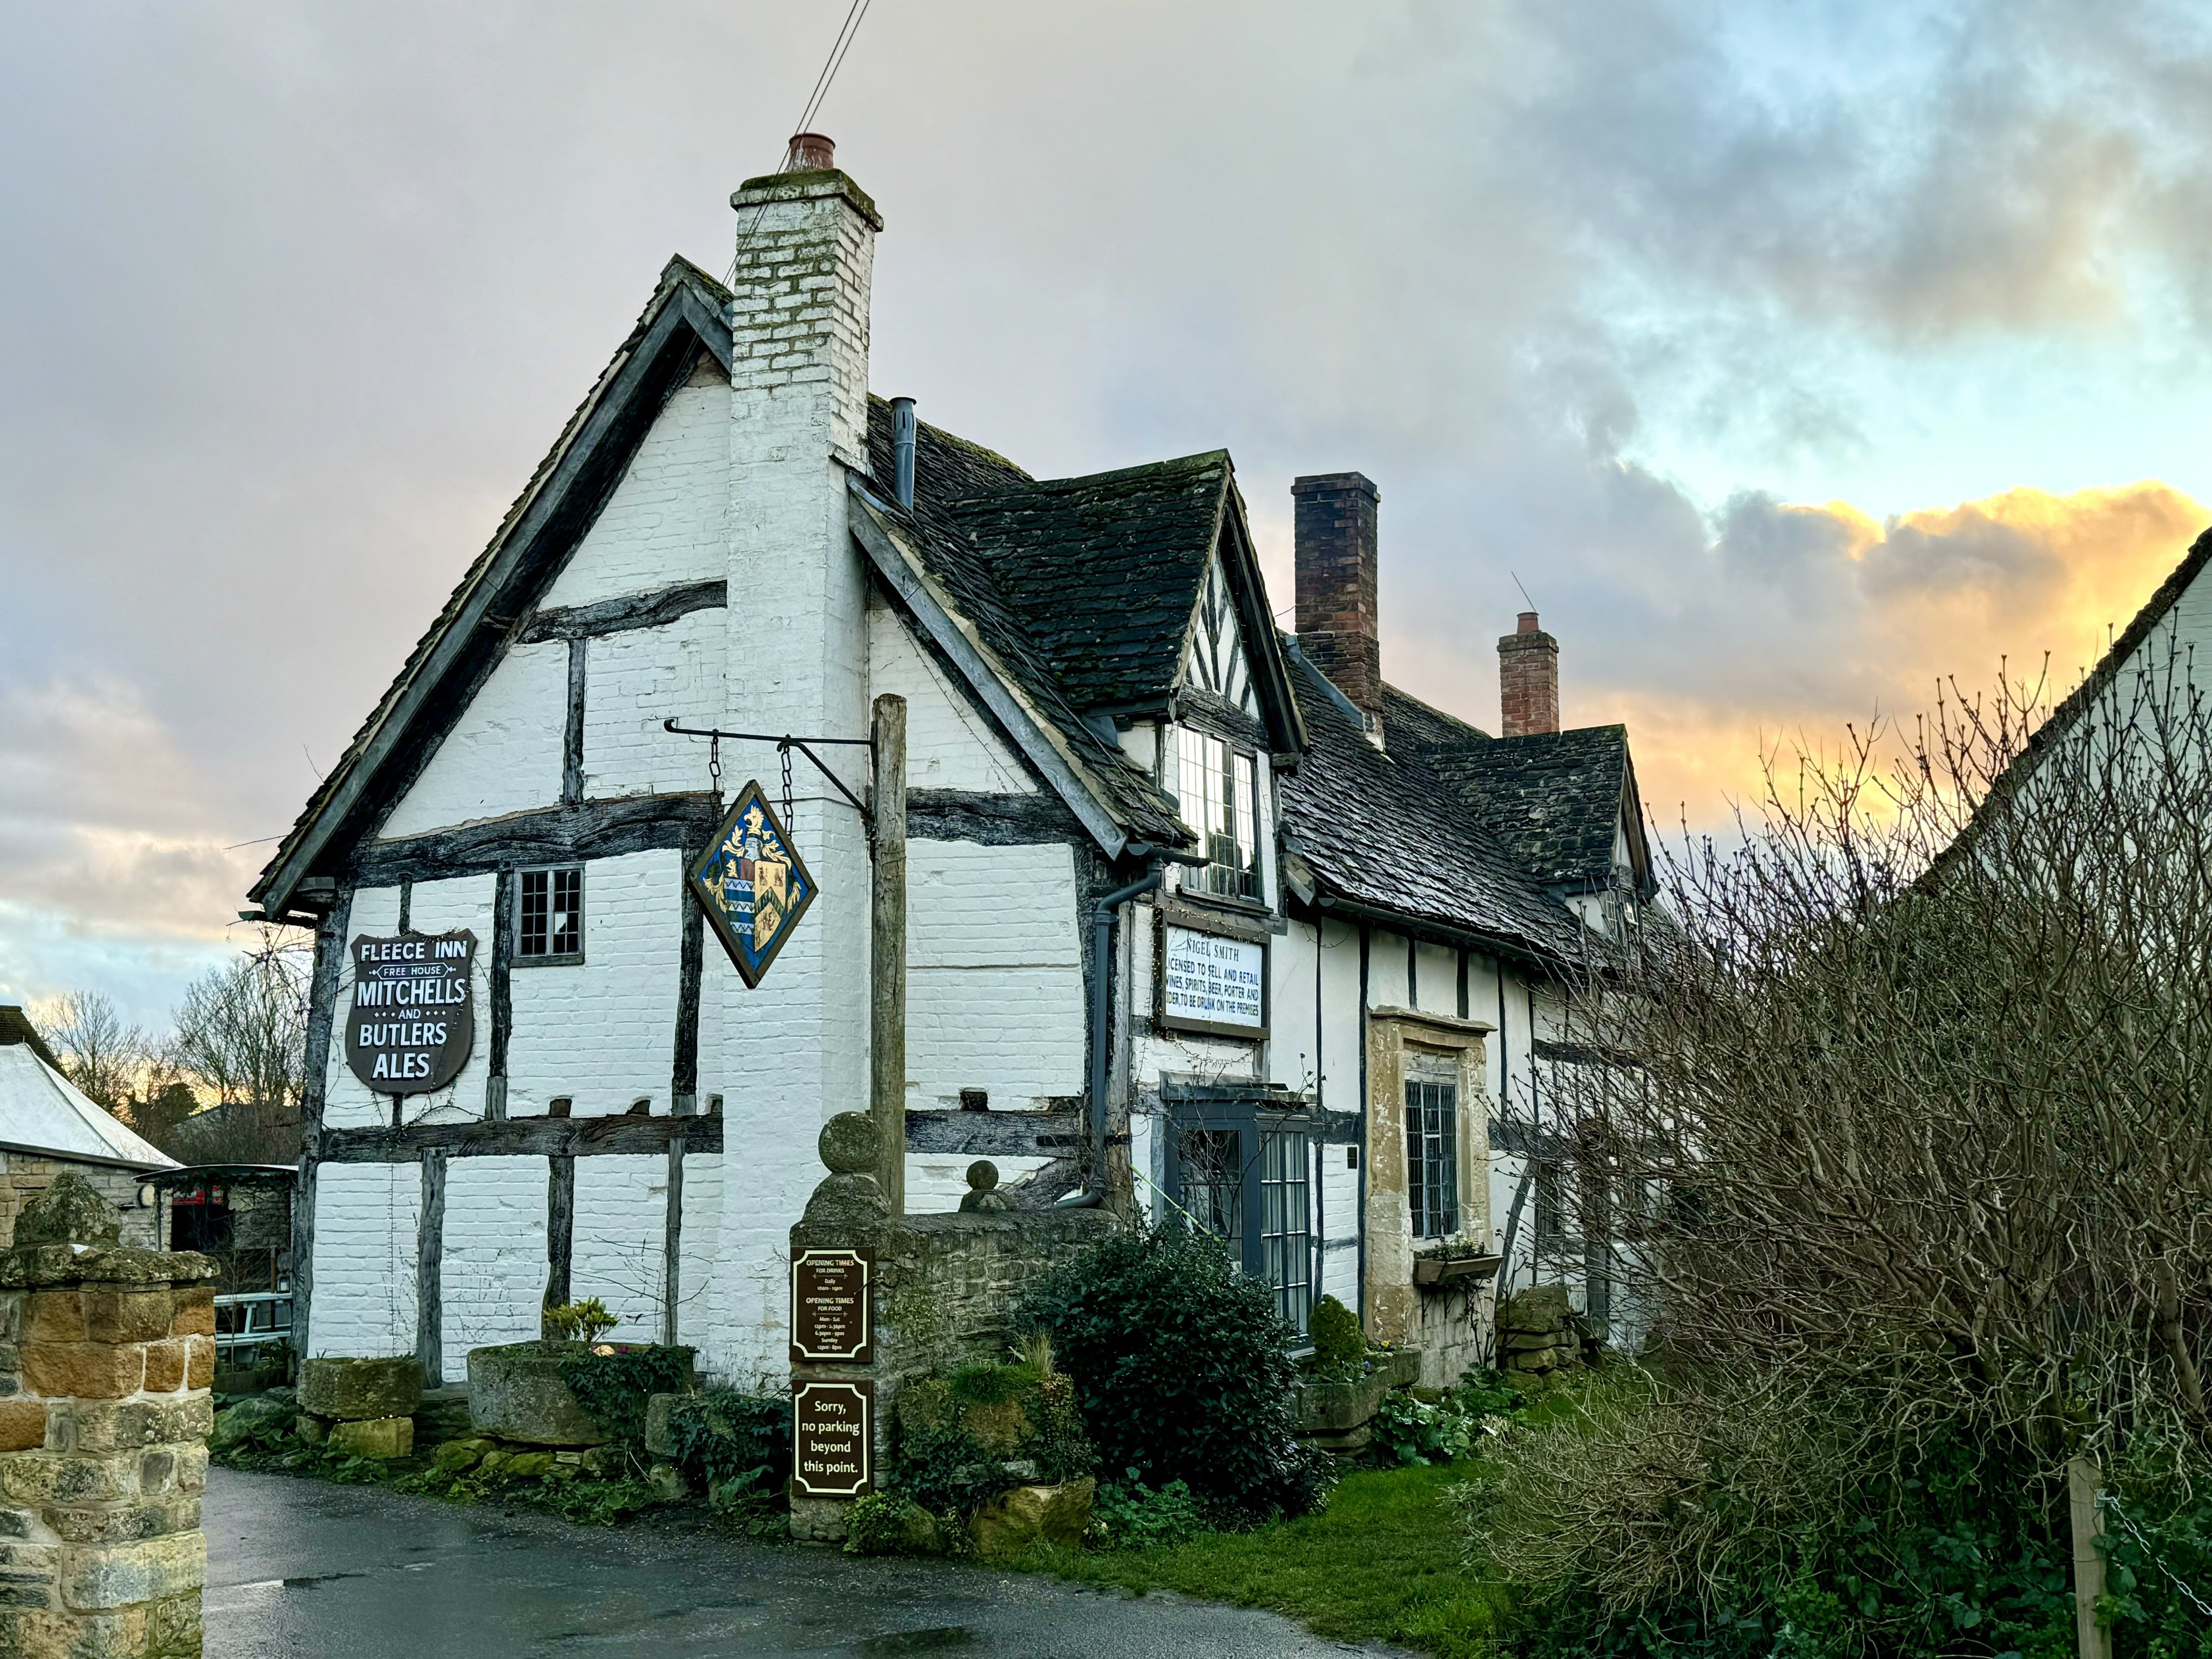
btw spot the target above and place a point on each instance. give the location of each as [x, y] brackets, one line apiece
[299, 1570]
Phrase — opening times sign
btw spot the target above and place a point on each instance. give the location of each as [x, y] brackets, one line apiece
[413, 1018]
[1213, 984]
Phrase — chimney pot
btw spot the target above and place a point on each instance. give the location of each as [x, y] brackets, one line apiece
[1339, 630]
[1528, 680]
[811, 153]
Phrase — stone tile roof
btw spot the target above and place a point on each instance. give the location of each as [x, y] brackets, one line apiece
[1383, 830]
[950, 472]
[1106, 568]
[1552, 799]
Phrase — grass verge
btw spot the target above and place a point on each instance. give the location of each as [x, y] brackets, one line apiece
[1381, 1563]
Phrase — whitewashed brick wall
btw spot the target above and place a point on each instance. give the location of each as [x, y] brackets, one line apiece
[492, 1285]
[949, 745]
[635, 679]
[622, 1212]
[603, 1031]
[365, 1221]
[699, 1251]
[503, 753]
[994, 979]
[667, 522]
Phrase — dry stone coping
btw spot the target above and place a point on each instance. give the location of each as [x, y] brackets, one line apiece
[356, 1390]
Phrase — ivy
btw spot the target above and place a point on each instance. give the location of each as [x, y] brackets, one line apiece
[614, 1384]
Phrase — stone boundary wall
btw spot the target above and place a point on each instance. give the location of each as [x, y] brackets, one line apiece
[106, 1355]
[943, 1285]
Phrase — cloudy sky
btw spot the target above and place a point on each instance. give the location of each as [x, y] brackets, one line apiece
[1792, 355]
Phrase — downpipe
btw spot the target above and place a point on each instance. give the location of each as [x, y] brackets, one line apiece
[1101, 1032]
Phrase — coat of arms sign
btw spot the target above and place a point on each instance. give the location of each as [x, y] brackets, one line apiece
[752, 885]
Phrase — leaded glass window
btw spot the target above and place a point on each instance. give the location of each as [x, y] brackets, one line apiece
[1286, 1226]
[1431, 1162]
[1220, 800]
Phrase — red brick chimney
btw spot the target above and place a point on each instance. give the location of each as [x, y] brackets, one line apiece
[1528, 680]
[1336, 560]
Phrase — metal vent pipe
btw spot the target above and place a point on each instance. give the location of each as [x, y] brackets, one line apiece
[903, 450]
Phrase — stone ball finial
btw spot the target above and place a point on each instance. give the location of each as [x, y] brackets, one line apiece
[982, 1196]
[69, 1211]
[848, 1144]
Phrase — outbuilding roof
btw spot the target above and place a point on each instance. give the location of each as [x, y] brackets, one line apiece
[43, 1113]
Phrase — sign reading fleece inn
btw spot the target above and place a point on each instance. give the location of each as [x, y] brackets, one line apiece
[412, 1023]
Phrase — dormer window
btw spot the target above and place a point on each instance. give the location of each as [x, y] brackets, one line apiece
[1220, 801]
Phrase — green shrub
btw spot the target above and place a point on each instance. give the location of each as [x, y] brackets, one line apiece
[578, 1321]
[721, 1435]
[615, 1387]
[1182, 1371]
[886, 1523]
[1411, 1431]
[960, 1441]
[1135, 1517]
[1338, 1342]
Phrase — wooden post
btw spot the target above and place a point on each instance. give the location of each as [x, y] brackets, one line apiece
[430, 1271]
[560, 1226]
[887, 954]
[671, 1248]
[2082, 1481]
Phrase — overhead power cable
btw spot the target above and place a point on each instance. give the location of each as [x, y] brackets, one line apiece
[847, 32]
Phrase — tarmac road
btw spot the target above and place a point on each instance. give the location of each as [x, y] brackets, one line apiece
[300, 1570]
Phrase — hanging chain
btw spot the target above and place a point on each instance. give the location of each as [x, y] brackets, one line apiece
[714, 767]
[785, 750]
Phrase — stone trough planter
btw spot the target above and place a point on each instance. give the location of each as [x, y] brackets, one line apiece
[515, 1393]
[1334, 1416]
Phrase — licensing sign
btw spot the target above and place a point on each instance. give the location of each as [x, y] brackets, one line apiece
[414, 1011]
[1213, 984]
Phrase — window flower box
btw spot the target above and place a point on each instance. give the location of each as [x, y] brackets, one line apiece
[1455, 1261]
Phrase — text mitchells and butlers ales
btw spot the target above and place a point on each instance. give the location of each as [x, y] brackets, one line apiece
[413, 1019]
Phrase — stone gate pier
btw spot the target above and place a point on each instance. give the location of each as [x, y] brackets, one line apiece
[905, 1296]
[106, 1356]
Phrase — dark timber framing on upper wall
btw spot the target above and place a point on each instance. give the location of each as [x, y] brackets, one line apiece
[480, 621]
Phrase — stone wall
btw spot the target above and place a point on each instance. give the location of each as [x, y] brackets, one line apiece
[943, 1285]
[105, 1354]
[24, 1176]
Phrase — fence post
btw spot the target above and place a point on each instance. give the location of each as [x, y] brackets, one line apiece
[2082, 1481]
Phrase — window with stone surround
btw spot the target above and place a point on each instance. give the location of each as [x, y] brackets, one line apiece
[1219, 789]
[549, 920]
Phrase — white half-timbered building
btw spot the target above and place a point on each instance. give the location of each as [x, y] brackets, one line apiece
[1333, 923]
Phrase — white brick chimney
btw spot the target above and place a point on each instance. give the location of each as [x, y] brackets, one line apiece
[796, 1047]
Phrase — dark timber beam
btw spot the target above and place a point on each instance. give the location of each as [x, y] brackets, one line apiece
[523, 1137]
[430, 1272]
[990, 820]
[672, 1244]
[654, 609]
[558, 835]
[995, 1134]
[560, 1231]
[322, 1008]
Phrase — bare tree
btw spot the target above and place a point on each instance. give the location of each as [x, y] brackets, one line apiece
[100, 1053]
[1909, 1136]
[241, 1034]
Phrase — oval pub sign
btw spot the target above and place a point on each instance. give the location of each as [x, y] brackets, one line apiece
[414, 1011]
